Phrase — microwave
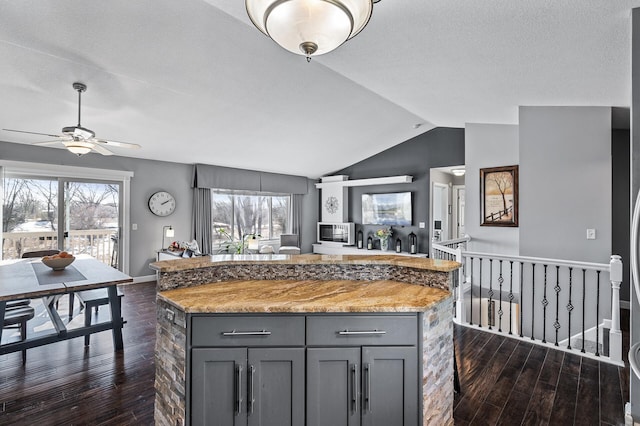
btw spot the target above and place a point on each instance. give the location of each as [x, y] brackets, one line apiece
[338, 233]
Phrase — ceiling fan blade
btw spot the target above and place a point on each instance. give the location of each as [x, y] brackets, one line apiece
[116, 143]
[32, 133]
[101, 149]
[46, 143]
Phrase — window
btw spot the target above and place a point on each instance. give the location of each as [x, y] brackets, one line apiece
[237, 214]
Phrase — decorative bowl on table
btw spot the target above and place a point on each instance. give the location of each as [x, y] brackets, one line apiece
[58, 262]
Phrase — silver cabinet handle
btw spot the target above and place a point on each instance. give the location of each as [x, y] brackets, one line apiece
[361, 333]
[367, 387]
[251, 399]
[354, 388]
[238, 407]
[246, 333]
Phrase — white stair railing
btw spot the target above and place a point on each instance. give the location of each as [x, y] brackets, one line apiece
[563, 304]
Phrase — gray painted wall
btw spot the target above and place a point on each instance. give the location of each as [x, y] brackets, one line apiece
[436, 148]
[488, 145]
[565, 182]
[149, 177]
[620, 203]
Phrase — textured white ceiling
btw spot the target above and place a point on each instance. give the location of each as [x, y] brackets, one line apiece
[194, 81]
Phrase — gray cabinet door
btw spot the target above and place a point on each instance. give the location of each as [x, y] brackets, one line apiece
[218, 389]
[389, 386]
[333, 386]
[276, 383]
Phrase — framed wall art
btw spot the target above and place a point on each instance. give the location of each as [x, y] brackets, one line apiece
[499, 196]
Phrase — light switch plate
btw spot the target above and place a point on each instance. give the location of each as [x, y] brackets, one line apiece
[591, 234]
[134, 226]
[422, 225]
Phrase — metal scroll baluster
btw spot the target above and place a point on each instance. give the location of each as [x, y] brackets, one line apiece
[570, 307]
[598, 314]
[584, 296]
[510, 294]
[557, 289]
[471, 296]
[545, 302]
[491, 315]
[500, 312]
[480, 307]
[533, 300]
[521, 297]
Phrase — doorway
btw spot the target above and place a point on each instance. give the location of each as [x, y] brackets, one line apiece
[440, 217]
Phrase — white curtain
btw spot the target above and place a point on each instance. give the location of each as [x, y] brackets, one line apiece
[201, 224]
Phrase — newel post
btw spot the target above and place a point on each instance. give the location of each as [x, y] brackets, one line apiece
[460, 310]
[615, 334]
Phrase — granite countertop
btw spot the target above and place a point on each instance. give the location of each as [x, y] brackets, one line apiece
[305, 259]
[243, 296]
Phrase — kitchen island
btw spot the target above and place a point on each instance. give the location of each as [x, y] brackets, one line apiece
[304, 339]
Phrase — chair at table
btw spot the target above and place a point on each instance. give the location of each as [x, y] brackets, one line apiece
[289, 244]
[16, 315]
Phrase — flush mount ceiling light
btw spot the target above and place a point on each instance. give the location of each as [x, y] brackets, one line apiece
[310, 27]
[458, 172]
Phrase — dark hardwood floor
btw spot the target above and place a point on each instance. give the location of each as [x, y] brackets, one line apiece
[67, 384]
[503, 381]
[510, 382]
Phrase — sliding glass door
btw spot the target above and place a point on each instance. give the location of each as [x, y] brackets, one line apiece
[80, 216]
[91, 218]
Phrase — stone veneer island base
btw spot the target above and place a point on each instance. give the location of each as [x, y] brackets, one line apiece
[303, 308]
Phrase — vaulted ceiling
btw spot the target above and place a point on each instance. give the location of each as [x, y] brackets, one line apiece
[193, 81]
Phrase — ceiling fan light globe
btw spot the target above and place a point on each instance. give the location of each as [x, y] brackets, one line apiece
[78, 147]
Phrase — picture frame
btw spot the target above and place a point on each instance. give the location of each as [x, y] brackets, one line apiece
[499, 196]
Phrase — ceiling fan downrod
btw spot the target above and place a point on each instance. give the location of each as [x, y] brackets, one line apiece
[80, 87]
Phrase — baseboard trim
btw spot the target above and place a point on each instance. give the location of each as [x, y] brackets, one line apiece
[144, 279]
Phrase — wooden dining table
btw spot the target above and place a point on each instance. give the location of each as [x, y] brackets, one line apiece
[31, 279]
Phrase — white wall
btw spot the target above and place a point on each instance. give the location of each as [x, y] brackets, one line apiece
[565, 182]
[488, 145]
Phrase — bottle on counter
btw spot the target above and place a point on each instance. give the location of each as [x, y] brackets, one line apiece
[398, 245]
[369, 243]
[360, 239]
[413, 243]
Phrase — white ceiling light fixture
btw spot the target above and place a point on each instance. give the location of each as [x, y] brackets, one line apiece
[78, 147]
[310, 27]
[458, 172]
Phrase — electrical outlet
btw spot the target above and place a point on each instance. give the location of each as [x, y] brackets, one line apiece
[134, 226]
[422, 225]
[591, 234]
[170, 315]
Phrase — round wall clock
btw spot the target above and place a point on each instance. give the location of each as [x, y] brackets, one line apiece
[162, 203]
[332, 204]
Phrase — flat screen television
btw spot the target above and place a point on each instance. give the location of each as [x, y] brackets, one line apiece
[387, 209]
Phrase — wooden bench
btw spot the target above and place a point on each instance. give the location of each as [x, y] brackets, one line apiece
[93, 299]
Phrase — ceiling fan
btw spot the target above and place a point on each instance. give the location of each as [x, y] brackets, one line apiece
[77, 139]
